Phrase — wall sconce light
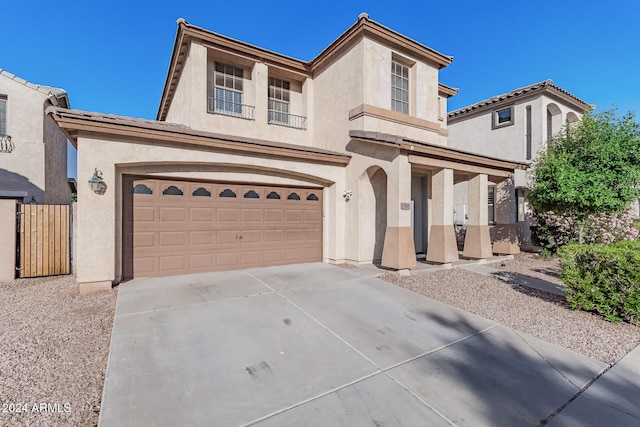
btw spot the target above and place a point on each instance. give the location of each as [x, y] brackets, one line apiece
[97, 184]
[347, 195]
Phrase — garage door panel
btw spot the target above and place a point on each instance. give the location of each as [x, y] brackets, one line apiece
[173, 239]
[172, 263]
[144, 214]
[227, 215]
[228, 259]
[145, 240]
[251, 215]
[293, 235]
[292, 215]
[273, 215]
[201, 261]
[197, 226]
[227, 237]
[201, 214]
[172, 214]
[201, 237]
[274, 235]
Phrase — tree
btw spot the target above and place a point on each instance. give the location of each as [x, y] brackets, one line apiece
[590, 167]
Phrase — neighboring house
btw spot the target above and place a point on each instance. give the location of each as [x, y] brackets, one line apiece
[514, 126]
[257, 158]
[33, 157]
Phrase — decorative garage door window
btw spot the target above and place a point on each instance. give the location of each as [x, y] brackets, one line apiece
[251, 195]
[141, 189]
[293, 196]
[172, 190]
[227, 193]
[273, 195]
[312, 197]
[201, 192]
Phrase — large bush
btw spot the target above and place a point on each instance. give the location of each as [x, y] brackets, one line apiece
[604, 279]
[553, 230]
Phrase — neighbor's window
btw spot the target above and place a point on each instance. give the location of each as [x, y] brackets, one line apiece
[503, 117]
[3, 115]
[228, 89]
[399, 87]
[491, 195]
[279, 101]
[520, 204]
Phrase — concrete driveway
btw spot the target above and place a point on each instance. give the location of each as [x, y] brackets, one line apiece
[322, 345]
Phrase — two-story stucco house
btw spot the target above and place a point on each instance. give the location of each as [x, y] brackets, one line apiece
[514, 126]
[33, 157]
[257, 158]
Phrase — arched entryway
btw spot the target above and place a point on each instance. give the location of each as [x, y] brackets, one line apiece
[372, 207]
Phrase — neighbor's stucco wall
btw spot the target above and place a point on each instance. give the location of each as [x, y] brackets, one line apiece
[23, 169]
[99, 252]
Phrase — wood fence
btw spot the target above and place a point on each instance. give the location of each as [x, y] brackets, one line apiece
[44, 240]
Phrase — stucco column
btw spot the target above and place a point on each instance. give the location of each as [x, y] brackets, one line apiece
[8, 241]
[477, 242]
[398, 251]
[505, 241]
[442, 246]
[260, 81]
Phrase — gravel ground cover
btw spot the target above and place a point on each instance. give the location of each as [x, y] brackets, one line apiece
[54, 345]
[541, 314]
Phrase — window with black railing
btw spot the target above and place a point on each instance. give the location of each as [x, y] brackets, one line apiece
[227, 96]
[278, 105]
[6, 146]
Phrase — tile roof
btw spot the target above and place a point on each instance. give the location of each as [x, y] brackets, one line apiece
[58, 93]
[546, 85]
[175, 128]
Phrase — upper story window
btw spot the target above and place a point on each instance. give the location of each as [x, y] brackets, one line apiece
[3, 115]
[399, 87]
[228, 93]
[279, 97]
[503, 117]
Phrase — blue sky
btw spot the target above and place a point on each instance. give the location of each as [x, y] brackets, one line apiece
[112, 57]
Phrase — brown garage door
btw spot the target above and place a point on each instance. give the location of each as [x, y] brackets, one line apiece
[177, 227]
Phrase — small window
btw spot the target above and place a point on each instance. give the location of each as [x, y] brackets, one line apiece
[312, 197]
[399, 87]
[491, 194]
[251, 195]
[172, 190]
[201, 192]
[293, 196]
[503, 117]
[273, 195]
[227, 193]
[141, 189]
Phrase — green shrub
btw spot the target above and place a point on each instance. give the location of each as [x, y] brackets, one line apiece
[604, 279]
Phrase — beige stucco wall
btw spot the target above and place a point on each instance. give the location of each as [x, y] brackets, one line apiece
[8, 240]
[99, 252]
[38, 162]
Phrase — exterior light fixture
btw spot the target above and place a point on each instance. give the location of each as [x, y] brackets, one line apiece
[96, 183]
[347, 195]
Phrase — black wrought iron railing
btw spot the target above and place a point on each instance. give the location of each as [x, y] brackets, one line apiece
[6, 146]
[286, 119]
[229, 108]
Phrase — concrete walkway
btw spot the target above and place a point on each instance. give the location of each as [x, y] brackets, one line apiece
[322, 345]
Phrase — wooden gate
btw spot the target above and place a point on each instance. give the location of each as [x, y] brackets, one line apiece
[43, 240]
